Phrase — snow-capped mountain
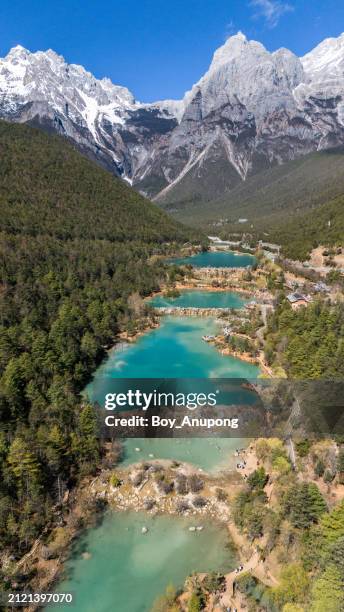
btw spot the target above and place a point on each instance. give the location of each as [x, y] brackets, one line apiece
[250, 110]
[41, 88]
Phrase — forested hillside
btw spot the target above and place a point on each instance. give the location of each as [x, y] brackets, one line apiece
[291, 187]
[299, 234]
[300, 204]
[307, 343]
[47, 187]
[75, 244]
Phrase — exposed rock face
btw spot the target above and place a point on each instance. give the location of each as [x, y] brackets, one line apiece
[103, 119]
[250, 110]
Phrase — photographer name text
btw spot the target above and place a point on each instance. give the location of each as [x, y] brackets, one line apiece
[136, 422]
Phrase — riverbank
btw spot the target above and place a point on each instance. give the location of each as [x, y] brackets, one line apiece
[225, 350]
[249, 552]
[160, 488]
[258, 360]
[125, 338]
[256, 357]
[266, 562]
[44, 562]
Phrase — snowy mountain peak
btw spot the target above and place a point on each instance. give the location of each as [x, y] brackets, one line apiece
[17, 51]
[46, 80]
[244, 71]
[235, 47]
[327, 58]
[251, 109]
[239, 35]
[48, 66]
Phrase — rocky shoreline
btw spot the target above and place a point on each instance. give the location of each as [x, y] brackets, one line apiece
[164, 487]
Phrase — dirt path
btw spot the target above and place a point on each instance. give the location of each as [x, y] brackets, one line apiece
[230, 598]
[250, 559]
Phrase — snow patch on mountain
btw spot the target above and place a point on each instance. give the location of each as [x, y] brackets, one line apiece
[326, 60]
[46, 77]
[250, 109]
[175, 108]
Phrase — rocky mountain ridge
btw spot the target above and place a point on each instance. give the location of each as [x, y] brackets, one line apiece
[252, 109]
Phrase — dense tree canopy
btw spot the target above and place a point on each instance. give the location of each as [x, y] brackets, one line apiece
[75, 244]
[309, 343]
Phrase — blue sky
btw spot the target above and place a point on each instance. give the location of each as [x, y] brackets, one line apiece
[159, 48]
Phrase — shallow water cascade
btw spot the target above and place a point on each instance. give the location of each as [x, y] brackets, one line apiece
[200, 299]
[126, 569]
[217, 259]
[175, 350]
